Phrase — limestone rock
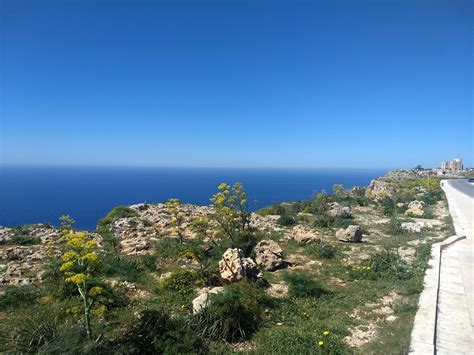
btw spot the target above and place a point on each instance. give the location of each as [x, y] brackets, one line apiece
[234, 266]
[202, 300]
[352, 234]
[279, 290]
[338, 211]
[379, 189]
[304, 235]
[268, 255]
[413, 227]
[415, 208]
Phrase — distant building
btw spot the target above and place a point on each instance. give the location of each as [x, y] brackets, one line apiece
[454, 165]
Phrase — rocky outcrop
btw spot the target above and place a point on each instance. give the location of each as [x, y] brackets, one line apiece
[352, 234]
[234, 266]
[379, 189]
[304, 235]
[268, 255]
[202, 300]
[338, 211]
[5, 235]
[415, 208]
[138, 235]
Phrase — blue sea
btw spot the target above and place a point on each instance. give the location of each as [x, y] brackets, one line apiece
[43, 194]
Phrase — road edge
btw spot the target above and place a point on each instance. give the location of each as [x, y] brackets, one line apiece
[423, 336]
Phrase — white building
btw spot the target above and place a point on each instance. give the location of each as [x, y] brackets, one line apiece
[454, 165]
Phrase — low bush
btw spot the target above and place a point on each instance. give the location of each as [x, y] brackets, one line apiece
[322, 250]
[395, 227]
[286, 220]
[302, 285]
[30, 330]
[155, 332]
[272, 210]
[122, 267]
[181, 281]
[388, 206]
[324, 221]
[15, 296]
[405, 306]
[389, 265]
[234, 314]
[22, 236]
[116, 213]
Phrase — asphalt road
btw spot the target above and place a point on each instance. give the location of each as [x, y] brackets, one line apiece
[463, 186]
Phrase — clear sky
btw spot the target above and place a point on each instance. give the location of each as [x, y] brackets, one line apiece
[236, 83]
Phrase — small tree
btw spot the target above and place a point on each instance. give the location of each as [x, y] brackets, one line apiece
[231, 209]
[338, 189]
[79, 264]
[66, 223]
[322, 199]
[174, 208]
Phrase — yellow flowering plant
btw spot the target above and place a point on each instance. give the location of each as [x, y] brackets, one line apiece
[231, 209]
[79, 264]
[174, 208]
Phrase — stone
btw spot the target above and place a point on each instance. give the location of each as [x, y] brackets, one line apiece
[268, 255]
[352, 234]
[202, 300]
[415, 208]
[413, 227]
[304, 235]
[234, 266]
[338, 211]
[279, 290]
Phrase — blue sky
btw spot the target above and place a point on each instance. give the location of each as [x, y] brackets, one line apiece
[236, 83]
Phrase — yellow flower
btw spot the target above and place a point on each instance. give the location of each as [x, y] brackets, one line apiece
[76, 279]
[95, 291]
[66, 266]
[368, 267]
[326, 332]
[321, 343]
[91, 257]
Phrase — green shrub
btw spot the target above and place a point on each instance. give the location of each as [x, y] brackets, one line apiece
[116, 213]
[15, 296]
[234, 314]
[322, 249]
[272, 210]
[122, 267]
[181, 281]
[302, 285]
[286, 220]
[171, 248]
[324, 221]
[39, 330]
[405, 306]
[412, 286]
[155, 332]
[395, 227]
[22, 236]
[389, 265]
[388, 206]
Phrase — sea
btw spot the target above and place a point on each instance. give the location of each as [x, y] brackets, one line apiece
[40, 194]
